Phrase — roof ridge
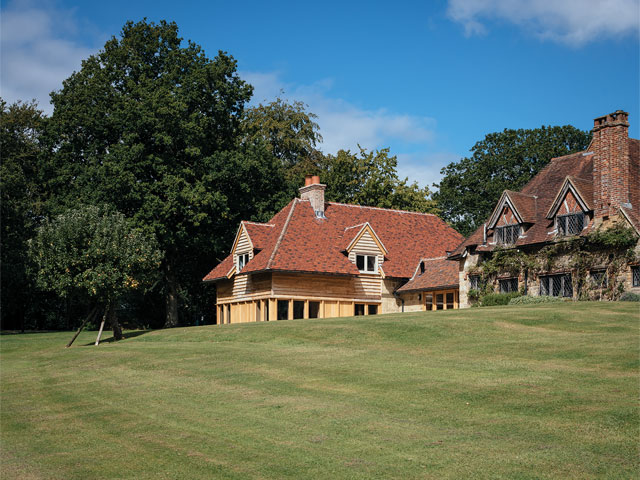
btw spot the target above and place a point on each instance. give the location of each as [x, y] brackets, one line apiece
[259, 223]
[432, 258]
[355, 226]
[380, 208]
[282, 232]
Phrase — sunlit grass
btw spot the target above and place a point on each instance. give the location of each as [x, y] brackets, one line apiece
[543, 391]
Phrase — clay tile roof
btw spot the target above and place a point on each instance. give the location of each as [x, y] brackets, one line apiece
[438, 273]
[259, 233]
[525, 205]
[303, 243]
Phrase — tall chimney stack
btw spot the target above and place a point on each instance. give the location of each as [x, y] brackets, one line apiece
[611, 163]
[313, 191]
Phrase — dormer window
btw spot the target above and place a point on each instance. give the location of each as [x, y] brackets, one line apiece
[243, 259]
[366, 263]
[571, 224]
[507, 235]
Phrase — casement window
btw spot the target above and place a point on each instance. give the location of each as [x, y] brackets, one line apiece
[635, 276]
[243, 259]
[571, 224]
[508, 285]
[366, 263]
[599, 278]
[507, 235]
[474, 282]
[556, 285]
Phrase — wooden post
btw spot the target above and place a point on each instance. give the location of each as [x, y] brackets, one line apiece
[89, 317]
[321, 312]
[306, 309]
[290, 310]
[104, 319]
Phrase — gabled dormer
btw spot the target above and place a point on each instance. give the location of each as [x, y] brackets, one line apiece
[242, 250]
[513, 213]
[364, 248]
[571, 209]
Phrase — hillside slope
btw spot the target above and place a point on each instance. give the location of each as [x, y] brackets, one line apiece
[545, 391]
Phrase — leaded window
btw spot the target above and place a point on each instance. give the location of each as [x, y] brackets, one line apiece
[508, 285]
[474, 282]
[571, 224]
[635, 274]
[507, 235]
[556, 285]
[599, 278]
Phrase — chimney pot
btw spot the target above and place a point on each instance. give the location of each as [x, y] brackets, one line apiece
[308, 180]
[313, 191]
[315, 179]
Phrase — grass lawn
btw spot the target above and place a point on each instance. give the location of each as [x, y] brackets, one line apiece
[540, 391]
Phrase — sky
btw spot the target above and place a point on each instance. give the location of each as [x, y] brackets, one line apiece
[425, 79]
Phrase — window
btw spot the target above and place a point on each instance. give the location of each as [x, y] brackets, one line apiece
[314, 309]
[556, 285]
[428, 301]
[298, 309]
[474, 282]
[449, 297]
[570, 224]
[508, 285]
[439, 301]
[507, 235]
[243, 259]
[599, 278]
[283, 309]
[359, 309]
[635, 276]
[373, 310]
[366, 263]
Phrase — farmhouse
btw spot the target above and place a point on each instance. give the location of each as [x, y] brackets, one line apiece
[318, 259]
[572, 231]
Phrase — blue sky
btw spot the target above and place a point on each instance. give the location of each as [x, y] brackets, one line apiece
[426, 79]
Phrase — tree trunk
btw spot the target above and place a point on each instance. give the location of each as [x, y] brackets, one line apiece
[89, 317]
[171, 298]
[115, 325]
[104, 318]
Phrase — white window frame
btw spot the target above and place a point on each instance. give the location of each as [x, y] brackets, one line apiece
[366, 263]
[242, 260]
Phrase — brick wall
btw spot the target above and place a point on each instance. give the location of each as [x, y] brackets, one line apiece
[611, 163]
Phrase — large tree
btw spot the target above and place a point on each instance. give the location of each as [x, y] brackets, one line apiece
[471, 187]
[21, 128]
[370, 178]
[152, 126]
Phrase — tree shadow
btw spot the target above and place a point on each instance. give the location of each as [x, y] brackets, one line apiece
[125, 336]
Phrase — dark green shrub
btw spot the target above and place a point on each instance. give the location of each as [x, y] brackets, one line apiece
[493, 299]
[527, 299]
[629, 297]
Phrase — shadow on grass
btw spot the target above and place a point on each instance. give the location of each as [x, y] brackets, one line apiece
[125, 336]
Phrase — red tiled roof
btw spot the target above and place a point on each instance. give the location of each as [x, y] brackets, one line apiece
[438, 273]
[545, 186]
[259, 233]
[303, 243]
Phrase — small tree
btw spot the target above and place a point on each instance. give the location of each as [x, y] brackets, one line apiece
[96, 254]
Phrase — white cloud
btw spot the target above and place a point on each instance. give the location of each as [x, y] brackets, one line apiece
[38, 51]
[573, 22]
[342, 124]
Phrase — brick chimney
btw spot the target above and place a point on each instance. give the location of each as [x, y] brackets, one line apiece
[313, 191]
[611, 163]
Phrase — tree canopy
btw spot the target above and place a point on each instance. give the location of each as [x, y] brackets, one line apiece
[470, 188]
[151, 126]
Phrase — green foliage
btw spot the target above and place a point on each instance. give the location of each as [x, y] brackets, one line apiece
[528, 299]
[287, 129]
[94, 253]
[494, 299]
[470, 188]
[371, 178]
[617, 237]
[152, 126]
[629, 297]
[21, 130]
